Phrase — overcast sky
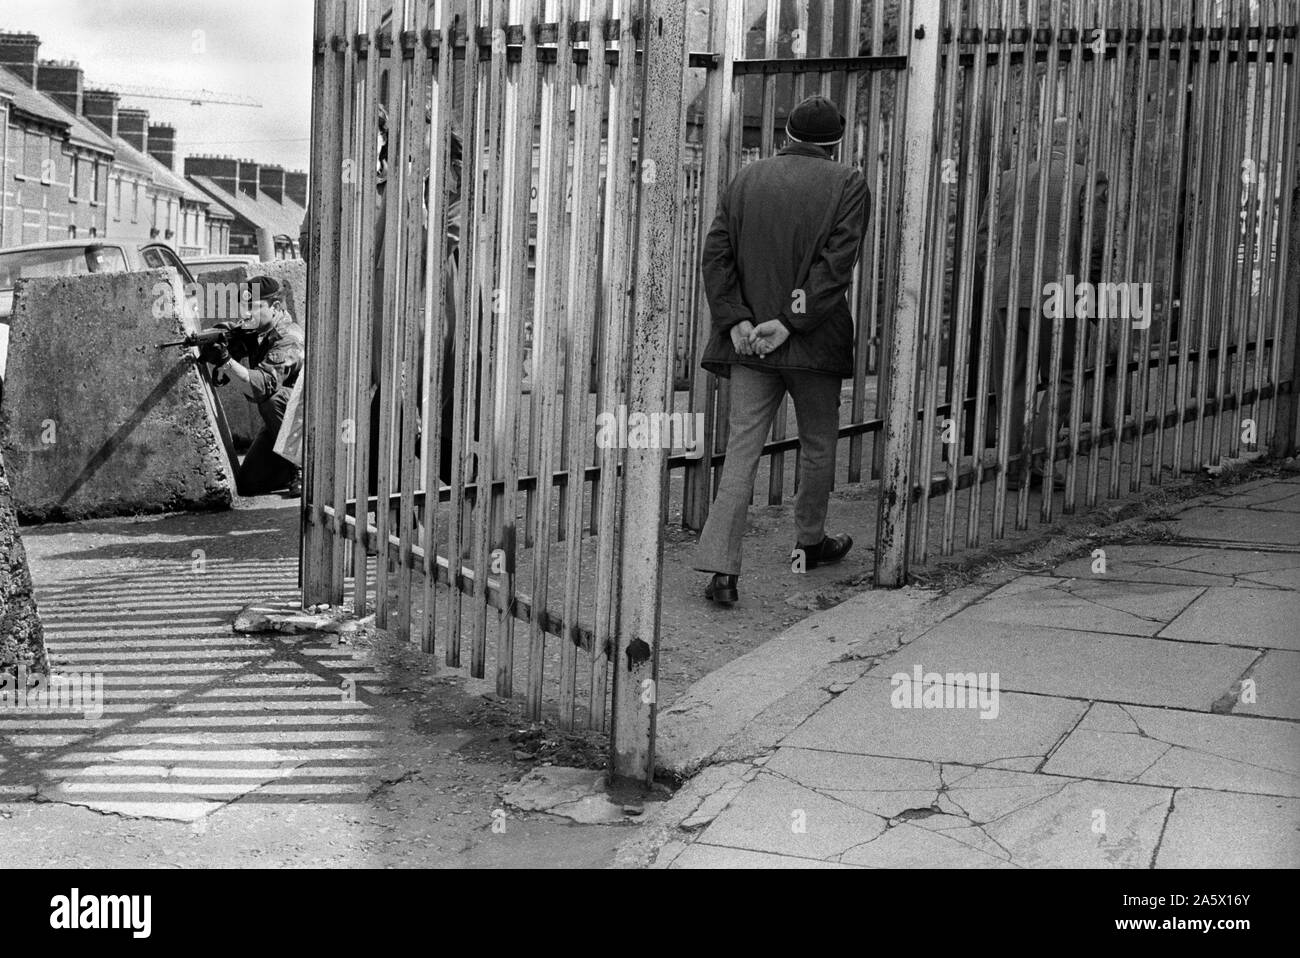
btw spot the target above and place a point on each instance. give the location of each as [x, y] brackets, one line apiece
[252, 48]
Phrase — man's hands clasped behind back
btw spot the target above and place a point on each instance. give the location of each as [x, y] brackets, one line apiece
[751, 340]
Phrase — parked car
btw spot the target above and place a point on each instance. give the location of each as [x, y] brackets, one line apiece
[76, 258]
[201, 265]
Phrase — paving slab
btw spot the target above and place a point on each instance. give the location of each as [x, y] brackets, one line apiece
[1042, 821]
[1169, 747]
[1224, 524]
[864, 721]
[1128, 608]
[1276, 680]
[974, 818]
[1190, 566]
[1230, 830]
[1077, 664]
[1256, 618]
[777, 815]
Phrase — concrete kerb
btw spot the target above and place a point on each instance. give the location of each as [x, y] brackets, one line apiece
[719, 733]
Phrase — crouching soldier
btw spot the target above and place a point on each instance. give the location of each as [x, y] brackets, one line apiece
[264, 358]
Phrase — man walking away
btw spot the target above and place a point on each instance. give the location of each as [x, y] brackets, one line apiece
[776, 265]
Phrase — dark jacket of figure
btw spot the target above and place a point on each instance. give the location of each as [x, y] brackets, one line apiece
[783, 246]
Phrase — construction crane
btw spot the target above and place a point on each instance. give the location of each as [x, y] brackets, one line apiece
[195, 97]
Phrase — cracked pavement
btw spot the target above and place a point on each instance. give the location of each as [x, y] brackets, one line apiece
[1147, 718]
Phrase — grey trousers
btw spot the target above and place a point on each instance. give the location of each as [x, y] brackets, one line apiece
[756, 395]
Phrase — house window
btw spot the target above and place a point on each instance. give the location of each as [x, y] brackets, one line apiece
[34, 145]
[76, 177]
[135, 202]
[72, 231]
[94, 180]
[117, 198]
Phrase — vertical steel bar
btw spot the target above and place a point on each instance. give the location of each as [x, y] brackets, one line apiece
[436, 277]
[1138, 187]
[1061, 269]
[1264, 170]
[1178, 184]
[468, 304]
[583, 252]
[998, 98]
[926, 34]
[364, 173]
[1010, 322]
[552, 180]
[619, 236]
[1209, 279]
[515, 270]
[935, 257]
[964, 294]
[318, 544]
[1190, 276]
[1046, 146]
[1282, 422]
[660, 162]
[726, 26]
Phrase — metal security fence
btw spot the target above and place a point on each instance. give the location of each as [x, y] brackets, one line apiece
[484, 174]
[1099, 196]
[1076, 265]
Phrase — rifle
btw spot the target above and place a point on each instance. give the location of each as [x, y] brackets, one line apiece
[219, 334]
[209, 337]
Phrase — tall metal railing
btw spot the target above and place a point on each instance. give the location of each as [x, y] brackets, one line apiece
[1101, 209]
[453, 484]
[525, 267]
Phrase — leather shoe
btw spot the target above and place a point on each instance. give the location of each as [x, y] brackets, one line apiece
[830, 549]
[722, 589]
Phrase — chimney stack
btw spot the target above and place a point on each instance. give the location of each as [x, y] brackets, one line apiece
[133, 127]
[18, 53]
[100, 108]
[162, 144]
[295, 187]
[271, 181]
[61, 80]
[222, 170]
[248, 173]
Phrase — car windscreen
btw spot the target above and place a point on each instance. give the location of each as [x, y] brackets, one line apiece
[61, 261]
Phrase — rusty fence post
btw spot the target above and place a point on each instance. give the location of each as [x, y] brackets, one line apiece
[905, 332]
[645, 473]
[317, 544]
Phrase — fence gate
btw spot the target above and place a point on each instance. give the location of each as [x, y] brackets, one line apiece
[496, 188]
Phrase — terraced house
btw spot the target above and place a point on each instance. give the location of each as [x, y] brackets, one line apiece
[75, 164]
[54, 166]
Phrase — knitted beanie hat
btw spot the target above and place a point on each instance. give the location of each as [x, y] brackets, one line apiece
[816, 120]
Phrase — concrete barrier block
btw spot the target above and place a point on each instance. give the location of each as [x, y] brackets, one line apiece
[22, 641]
[96, 421]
